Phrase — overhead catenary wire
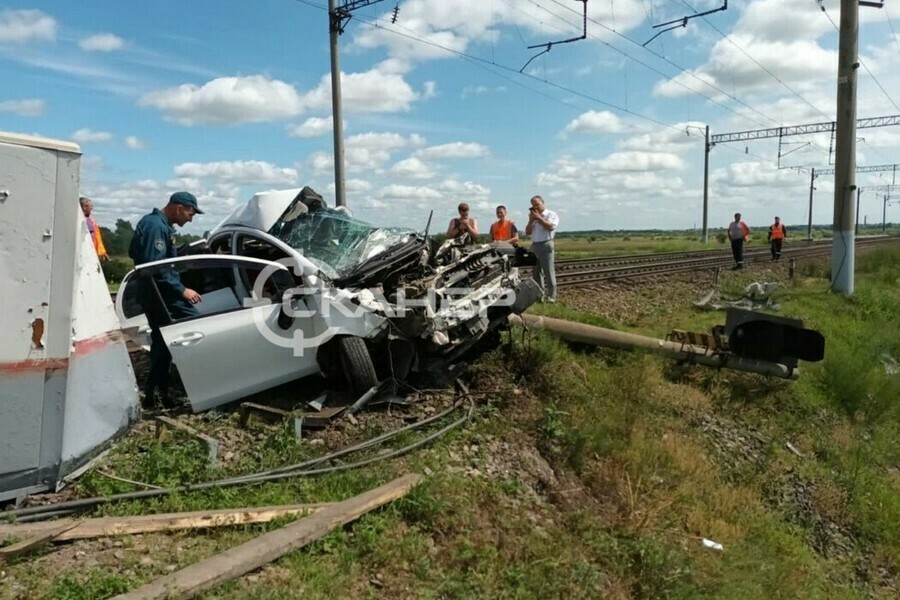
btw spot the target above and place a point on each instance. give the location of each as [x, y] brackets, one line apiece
[728, 39]
[681, 69]
[887, 13]
[481, 62]
[861, 61]
[492, 66]
[484, 61]
[406, 33]
[763, 67]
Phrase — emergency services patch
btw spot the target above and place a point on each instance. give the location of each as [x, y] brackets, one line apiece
[160, 245]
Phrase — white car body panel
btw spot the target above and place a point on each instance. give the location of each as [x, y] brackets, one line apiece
[225, 357]
[228, 355]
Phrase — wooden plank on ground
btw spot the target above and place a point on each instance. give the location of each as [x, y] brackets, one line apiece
[109, 526]
[31, 542]
[251, 555]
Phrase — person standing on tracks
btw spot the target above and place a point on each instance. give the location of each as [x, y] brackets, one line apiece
[542, 224]
[463, 225]
[154, 239]
[777, 233]
[504, 230]
[738, 233]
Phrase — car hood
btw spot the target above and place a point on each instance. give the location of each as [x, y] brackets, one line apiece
[261, 211]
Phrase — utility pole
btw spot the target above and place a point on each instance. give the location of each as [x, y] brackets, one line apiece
[335, 26]
[884, 215]
[337, 18]
[706, 149]
[812, 189]
[844, 238]
[856, 228]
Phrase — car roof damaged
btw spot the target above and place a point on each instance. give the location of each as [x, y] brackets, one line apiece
[291, 288]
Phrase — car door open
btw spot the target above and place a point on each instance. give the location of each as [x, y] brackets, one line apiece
[239, 342]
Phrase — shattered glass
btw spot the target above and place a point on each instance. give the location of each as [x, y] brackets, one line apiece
[333, 240]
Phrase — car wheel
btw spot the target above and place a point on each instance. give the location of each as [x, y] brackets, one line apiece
[357, 364]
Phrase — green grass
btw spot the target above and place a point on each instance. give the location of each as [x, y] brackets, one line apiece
[598, 475]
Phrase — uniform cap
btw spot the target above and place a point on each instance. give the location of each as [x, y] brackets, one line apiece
[185, 199]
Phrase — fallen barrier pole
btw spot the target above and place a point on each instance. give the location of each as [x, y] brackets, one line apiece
[610, 338]
[207, 573]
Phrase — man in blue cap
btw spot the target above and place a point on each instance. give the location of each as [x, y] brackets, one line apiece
[154, 239]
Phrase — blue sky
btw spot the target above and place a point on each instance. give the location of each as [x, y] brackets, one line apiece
[226, 99]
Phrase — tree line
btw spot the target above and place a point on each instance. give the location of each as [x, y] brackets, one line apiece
[117, 242]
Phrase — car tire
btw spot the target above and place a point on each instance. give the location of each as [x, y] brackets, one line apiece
[357, 364]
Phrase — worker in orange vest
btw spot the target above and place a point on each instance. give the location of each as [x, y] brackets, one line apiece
[87, 205]
[777, 233]
[504, 230]
[738, 233]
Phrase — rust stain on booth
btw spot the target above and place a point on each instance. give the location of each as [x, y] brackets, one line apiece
[37, 333]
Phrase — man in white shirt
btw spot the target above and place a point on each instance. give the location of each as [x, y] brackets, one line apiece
[541, 227]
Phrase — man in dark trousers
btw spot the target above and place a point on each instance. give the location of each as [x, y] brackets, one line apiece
[154, 239]
[738, 233]
[777, 233]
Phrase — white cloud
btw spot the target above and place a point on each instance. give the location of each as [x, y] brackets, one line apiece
[480, 90]
[87, 136]
[763, 45]
[412, 168]
[31, 107]
[226, 101]
[369, 151]
[240, 171]
[474, 192]
[357, 186]
[102, 42]
[22, 26]
[134, 143]
[678, 138]
[409, 192]
[322, 163]
[756, 174]
[639, 161]
[131, 200]
[458, 24]
[595, 122]
[454, 150]
[312, 127]
[373, 91]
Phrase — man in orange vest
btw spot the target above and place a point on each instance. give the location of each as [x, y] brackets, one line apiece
[87, 205]
[504, 230]
[777, 233]
[738, 233]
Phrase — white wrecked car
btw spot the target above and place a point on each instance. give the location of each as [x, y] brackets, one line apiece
[291, 288]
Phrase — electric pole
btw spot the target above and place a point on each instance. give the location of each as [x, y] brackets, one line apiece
[337, 18]
[706, 149]
[812, 189]
[337, 118]
[844, 237]
[856, 227]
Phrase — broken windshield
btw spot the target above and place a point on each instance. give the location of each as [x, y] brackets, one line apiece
[334, 241]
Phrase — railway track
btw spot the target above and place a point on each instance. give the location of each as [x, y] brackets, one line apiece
[584, 271]
[593, 270]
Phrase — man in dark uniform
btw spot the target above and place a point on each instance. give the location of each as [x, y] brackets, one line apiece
[154, 239]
